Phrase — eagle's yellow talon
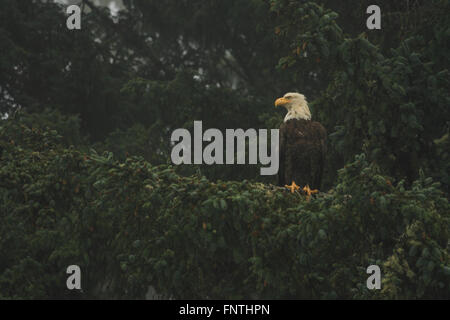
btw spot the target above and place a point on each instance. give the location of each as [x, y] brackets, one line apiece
[293, 187]
[309, 192]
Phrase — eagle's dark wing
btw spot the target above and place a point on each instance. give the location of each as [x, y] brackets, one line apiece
[282, 152]
[302, 152]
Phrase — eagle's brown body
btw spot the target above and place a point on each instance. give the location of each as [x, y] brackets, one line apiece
[302, 152]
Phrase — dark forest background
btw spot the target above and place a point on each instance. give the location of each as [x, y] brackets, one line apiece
[124, 83]
[117, 88]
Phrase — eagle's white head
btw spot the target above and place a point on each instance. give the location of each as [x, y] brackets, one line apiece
[296, 105]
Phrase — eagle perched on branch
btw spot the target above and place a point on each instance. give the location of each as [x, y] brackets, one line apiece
[302, 145]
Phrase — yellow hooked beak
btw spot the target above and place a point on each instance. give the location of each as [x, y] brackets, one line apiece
[281, 101]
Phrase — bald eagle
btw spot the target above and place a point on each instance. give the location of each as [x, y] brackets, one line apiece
[302, 145]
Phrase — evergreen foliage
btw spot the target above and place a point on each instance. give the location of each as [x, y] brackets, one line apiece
[130, 224]
[85, 174]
